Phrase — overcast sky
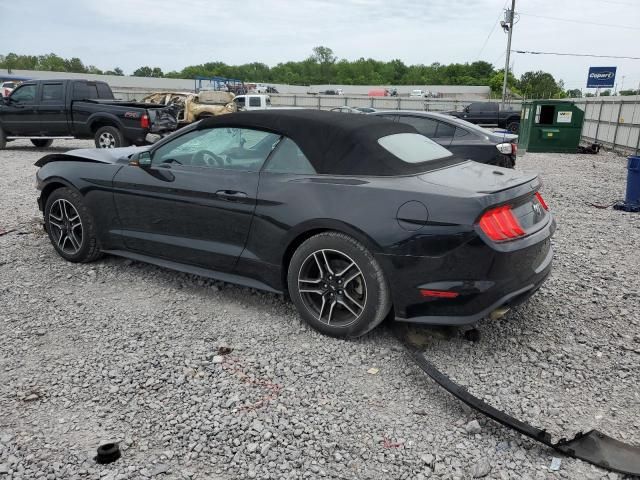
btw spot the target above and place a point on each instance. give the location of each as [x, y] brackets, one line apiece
[172, 34]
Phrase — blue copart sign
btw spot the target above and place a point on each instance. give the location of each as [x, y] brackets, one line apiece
[601, 77]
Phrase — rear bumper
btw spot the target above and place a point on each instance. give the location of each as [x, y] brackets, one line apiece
[485, 279]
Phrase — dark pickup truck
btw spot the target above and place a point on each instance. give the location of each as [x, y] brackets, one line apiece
[489, 113]
[45, 110]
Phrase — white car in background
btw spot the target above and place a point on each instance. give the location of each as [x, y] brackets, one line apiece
[417, 93]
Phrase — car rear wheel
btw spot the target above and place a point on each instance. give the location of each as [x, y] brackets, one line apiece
[42, 143]
[337, 285]
[70, 226]
[109, 137]
[3, 139]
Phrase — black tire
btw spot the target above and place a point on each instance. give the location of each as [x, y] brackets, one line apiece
[368, 288]
[42, 143]
[75, 244]
[109, 137]
[513, 126]
[506, 161]
[3, 139]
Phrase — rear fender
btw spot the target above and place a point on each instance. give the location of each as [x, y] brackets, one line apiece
[102, 119]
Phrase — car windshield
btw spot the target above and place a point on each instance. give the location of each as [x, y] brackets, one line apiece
[413, 147]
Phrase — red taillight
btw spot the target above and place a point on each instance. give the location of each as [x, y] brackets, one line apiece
[438, 293]
[144, 121]
[500, 224]
[541, 200]
[514, 149]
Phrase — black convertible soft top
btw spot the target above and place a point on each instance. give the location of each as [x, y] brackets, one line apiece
[335, 143]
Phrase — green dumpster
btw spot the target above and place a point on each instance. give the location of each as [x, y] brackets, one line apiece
[550, 126]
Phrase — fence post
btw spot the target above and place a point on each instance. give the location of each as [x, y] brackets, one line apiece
[615, 131]
[345, 101]
[371, 102]
[599, 118]
[295, 100]
[319, 100]
[398, 102]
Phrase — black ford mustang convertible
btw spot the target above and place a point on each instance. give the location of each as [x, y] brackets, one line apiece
[355, 217]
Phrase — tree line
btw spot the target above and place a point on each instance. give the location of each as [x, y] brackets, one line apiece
[323, 67]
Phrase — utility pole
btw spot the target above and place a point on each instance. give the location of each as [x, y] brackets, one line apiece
[507, 25]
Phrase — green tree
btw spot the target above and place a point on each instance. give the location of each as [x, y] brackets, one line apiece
[539, 84]
[73, 65]
[143, 72]
[325, 58]
[574, 93]
[496, 82]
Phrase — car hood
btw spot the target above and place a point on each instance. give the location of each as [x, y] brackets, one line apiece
[98, 155]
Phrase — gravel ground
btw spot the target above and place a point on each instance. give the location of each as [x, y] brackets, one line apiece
[126, 352]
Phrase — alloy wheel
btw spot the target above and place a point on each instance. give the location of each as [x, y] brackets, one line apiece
[332, 287]
[107, 140]
[65, 226]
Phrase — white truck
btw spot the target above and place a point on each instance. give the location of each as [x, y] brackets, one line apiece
[253, 102]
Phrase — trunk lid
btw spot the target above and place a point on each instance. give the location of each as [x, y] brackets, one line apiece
[473, 177]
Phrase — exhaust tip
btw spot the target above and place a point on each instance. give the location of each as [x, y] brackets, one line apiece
[499, 312]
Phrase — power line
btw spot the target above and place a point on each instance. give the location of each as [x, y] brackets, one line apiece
[575, 54]
[582, 22]
[492, 29]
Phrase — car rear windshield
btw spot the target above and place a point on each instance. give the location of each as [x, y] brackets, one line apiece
[413, 147]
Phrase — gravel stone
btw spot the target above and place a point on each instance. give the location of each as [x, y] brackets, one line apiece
[121, 351]
[473, 427]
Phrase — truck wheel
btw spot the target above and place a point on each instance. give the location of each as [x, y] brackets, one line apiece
[42, 143]
[109, 137]
[513, 126]
[3, 140]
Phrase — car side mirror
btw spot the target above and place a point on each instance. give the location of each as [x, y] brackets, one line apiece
[140, 159]
[466, 109]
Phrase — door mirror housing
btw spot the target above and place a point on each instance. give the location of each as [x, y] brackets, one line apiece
[141, 159]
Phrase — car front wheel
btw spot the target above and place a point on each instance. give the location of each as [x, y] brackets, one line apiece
[337, 285]
[70, 226]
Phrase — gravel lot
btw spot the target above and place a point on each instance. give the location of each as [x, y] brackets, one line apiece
[126, 352]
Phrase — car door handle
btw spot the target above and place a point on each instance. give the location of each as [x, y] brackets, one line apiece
[231, 195]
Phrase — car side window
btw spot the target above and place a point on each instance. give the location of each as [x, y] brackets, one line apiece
[288, 158]
[226, 148]
[104, 91]
[461, 132]
[239, 101]
[25, 94]
[52, 92]
[445, 130]
[423, 125]
[254, 101]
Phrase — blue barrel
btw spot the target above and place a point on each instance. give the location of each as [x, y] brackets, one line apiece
[633, 181]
